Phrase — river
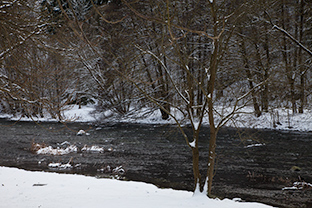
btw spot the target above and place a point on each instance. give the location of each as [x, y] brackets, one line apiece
[254, 165]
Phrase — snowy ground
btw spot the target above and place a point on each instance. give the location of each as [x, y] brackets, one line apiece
[23, 189]
[281, 118]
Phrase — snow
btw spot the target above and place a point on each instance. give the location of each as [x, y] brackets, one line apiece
[193, 143]
[20, 188]
[196, 124]
[298, 186]
[284, 119]
[49, 150]
[60, 166]
[81, 132]
[71, 113]
[93, 148]
[281, 119]
[254, 145]
[80, 115]
[56, 151]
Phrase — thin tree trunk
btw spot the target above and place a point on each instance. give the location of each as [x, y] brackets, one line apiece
[211, 159]
[289, 72]
[264, 96]
[195, 155]
[213, 131]
[249, 76]
[266, 73]
[302, 74]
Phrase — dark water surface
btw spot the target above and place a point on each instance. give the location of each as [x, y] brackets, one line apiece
[251, 164]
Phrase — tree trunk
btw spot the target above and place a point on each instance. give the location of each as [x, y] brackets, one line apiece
[249, 76]
[213, 131]
[302, 94]
[164, 114]
[211, 159]
[289, 72]
[265, 99]
[196, 173]
[302, 73]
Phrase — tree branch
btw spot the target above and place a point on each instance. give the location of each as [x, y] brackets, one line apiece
[288, 35]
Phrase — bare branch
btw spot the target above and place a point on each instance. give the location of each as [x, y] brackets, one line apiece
[102, 16]
[288, 35]
[169, 24]
[167, 71]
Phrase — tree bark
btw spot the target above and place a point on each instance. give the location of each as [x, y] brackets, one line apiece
[289, 72]
[302, 73]
[249, 76]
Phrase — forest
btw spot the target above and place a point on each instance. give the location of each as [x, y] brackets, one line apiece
[55, 53]
[195, 57]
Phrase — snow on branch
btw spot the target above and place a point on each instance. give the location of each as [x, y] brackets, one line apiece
[37, 31]
[288, 35]
[7, 4]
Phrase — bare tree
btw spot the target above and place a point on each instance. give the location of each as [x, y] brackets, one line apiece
[293, 42]
[182, 56]
[219, 29]
[17, 27]
[35, 75]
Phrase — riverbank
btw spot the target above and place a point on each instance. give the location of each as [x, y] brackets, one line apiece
[279, 119]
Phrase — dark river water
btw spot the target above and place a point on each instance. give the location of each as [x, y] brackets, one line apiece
[254, 165]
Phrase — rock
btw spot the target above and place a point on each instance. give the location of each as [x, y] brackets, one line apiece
[81, 132]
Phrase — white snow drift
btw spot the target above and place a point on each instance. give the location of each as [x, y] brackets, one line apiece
[25, 189]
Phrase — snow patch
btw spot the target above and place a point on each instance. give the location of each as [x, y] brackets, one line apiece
[57, 151]
[299, 186]
[93, 148]
[66, 190]
[81, 132]
[254, 145]
[43, 149]
[60, 166]
[192, 144]
[119, 170]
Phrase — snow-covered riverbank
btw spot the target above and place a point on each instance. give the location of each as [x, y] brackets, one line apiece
[282, 118]
[26, 189]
